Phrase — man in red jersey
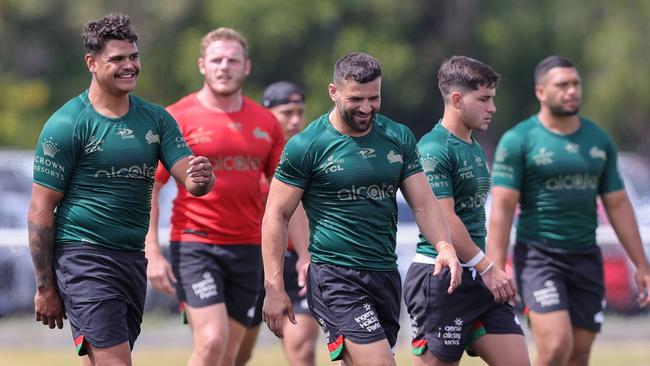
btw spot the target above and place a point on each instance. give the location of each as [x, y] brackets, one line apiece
[215, 241]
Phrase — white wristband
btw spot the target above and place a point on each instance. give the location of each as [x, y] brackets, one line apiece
[489, 267]
[477, 258]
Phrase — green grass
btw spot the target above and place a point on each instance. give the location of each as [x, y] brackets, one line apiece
[604, 354]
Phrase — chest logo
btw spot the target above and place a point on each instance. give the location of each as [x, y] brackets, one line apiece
[572, 148]
[259, 134]
[200, 136]
[50, 148]
[95, 144]
[126, 133]
[394, 157]
[235, 126]
[152, 138]
[332, 165]
[543, 157]
[597, 153]
[367, 153]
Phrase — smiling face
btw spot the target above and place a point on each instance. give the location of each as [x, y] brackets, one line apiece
[560, 91]
[116, 67]
[224, 66]
[356, 103]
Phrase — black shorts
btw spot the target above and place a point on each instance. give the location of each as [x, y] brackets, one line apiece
[552, 279]
[447, 324]
[362, 306]
[212, 274]
[300, 306]
[103, 292]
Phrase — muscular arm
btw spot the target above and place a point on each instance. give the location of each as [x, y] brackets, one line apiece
[299, 235]
[621, 216]
[159, 271]
[195, 174]
[280, 206]
[47, 302]
[432, 224]
[504, 202]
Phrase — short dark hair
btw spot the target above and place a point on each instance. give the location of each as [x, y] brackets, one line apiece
[465, 73]
[357, 66]
[282, 92]
[110, 27]
[548, 63]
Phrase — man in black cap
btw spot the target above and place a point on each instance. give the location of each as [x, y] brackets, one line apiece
[287, 102]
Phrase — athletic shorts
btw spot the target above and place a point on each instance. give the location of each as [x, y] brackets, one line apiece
[103, 292]
[300, 306]
[362, 306]
[446, 324]
[210, 274]
[552, 279]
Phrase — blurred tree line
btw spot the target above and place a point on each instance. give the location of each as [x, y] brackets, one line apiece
[41, 54]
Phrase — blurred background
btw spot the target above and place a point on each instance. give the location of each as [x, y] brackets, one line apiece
[41, 67]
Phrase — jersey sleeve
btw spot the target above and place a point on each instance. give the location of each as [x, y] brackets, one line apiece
[294, 167]
[172, 144]
[438, 168]
[411, 154]
[276, 149]
[610, 179]
[509, 162]
[56, 154]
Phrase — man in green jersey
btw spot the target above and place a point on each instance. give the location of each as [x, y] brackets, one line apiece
[89, 212]
[477, 314]
[346, 167]
[554, 165]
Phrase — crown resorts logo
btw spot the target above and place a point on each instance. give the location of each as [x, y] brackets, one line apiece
[50, 148]
[429, 163]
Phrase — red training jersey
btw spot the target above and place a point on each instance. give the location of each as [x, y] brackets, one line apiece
[242, 146]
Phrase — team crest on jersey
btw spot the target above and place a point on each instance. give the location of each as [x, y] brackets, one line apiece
[597, 153]
[260, 134]
[543, 157]
[94, 145]
[572, 148]
[126, 133]
[367, 153]
[152, 138]
[200, 136]
[50, 148]
[394, 157]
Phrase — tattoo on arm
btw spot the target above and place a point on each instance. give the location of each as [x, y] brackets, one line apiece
[41, 247]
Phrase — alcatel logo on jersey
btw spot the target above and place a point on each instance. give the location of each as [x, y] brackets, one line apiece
[575, 182]
[597, 153]
[125, 133]
[238, 163]
[132, 172]
[50, 148]
[373, 192]
[394, 157]
[367, 153]
[543, 157]
[331, 165]
[261, 135]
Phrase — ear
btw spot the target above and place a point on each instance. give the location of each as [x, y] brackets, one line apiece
[91, 62]
[201, 64]
[456, 99]
[331, 89]
[539, 92]
[247, 66]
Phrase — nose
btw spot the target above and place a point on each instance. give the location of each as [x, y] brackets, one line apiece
[492, 108]
[365, 107]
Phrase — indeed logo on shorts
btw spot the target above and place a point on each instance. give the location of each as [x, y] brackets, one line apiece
[373, 192]
[133, 172]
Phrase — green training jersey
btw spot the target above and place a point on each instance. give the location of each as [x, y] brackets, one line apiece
[458, 170]
[559, 177]
[105, 167]
[349, 187]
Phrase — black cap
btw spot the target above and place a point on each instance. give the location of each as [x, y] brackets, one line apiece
[280, 92]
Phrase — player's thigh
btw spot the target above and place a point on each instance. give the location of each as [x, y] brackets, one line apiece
[209, 322]
[502, 349]
[376, 353]
[551, 329]
[118, 355]
[304, 332]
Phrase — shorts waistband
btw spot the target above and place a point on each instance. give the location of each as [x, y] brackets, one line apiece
[425, 259]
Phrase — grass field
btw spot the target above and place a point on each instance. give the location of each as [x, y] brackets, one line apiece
[23, 342]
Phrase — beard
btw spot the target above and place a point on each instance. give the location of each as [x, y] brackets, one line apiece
[559, 111]
[348, 117]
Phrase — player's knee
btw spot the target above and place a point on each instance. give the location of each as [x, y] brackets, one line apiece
[555, 352]
[210, 344]
[579, 357]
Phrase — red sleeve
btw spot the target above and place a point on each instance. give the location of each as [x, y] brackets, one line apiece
[276, 149]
